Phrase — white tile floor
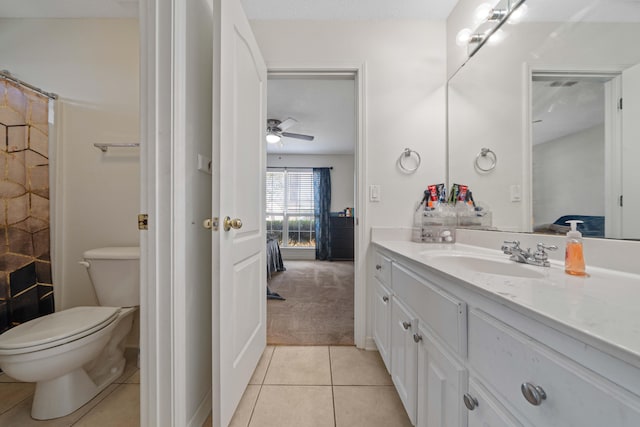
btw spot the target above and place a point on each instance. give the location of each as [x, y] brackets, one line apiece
[292, 386]
[320, 386]
[117, 405]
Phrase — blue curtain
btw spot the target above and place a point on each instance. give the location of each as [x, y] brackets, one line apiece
[321, 206]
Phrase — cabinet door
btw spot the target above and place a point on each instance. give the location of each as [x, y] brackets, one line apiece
[441, 381]
[404, 356]
[382, 321]
[487, 412]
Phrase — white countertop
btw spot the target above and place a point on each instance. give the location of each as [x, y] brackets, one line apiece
[604, 306]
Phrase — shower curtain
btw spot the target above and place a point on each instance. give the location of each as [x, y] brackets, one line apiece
[26, 288]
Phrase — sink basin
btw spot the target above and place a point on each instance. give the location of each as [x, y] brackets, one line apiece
[484, 264]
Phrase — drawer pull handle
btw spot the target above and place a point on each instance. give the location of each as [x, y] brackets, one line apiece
[378, 267]
[533, 393]
[406, 325]
[470, 402]
[385, 298]
[417, 338]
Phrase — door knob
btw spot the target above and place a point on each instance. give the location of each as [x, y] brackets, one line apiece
[232, 223]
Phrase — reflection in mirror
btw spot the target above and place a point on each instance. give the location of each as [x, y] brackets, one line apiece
[568, 114]
[546, 101]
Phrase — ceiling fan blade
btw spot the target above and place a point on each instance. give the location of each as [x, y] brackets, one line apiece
[298, 136]
[286, 124]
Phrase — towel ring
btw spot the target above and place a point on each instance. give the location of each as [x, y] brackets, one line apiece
[408, 153]
[489, 154]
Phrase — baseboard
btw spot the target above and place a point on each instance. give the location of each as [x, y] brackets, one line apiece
[370, 344]
[202, 412]
[289, 254]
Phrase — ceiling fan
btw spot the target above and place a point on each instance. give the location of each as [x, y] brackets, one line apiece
[276, 130]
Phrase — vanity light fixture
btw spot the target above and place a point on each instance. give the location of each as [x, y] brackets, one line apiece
[497, 15]
[493, 19]
[466, 37]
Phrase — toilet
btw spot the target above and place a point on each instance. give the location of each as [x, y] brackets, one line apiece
[73, 354]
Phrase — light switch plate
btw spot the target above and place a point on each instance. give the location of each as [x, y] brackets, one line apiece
[374, 193]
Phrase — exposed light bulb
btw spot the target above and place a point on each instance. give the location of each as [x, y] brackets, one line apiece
[462, 38]
[496, 37]
[482, 13]
[518, 14]
[272, 138]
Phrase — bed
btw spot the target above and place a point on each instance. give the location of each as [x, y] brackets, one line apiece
[274, 264]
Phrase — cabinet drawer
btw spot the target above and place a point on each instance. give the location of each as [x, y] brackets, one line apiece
[506, 359]
[382, 266]
[488, 412]
[444, 314]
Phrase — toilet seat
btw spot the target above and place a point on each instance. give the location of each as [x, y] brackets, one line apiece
[56, 329]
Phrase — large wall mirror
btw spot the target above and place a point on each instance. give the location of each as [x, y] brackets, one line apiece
[546, 99]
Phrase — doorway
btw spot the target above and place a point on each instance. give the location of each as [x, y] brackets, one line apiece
[312, 127]
[575, 138]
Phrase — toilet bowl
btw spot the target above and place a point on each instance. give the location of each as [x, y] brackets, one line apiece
[73, 354]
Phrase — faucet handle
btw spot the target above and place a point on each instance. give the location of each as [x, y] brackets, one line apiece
[541, 256]
[542, 247]
[510, 245]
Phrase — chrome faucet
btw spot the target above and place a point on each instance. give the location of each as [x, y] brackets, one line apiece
[539, 257]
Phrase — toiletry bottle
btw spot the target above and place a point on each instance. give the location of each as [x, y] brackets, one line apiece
[574, 256]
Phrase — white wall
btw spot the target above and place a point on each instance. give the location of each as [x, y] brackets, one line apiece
[92, 65]
[405, 75]
[404, 70]
[557, 189]
[342, 174]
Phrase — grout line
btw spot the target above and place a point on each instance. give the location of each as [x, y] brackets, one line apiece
[255, 403]
[264, 377]
[97, 403]
[18, 403]
[333, 397]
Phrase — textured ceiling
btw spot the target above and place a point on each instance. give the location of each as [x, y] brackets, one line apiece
[436, 10]
[324, 108]
[559, 110]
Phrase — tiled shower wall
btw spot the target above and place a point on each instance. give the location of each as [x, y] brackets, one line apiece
[26, 289]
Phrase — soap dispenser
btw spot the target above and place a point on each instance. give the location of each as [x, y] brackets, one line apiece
[574, 256]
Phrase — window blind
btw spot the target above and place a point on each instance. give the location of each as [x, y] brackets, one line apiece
[299, 192]
[275, 192]
[290, 192]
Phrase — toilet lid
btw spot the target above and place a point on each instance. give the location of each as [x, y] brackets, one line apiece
[73, 323]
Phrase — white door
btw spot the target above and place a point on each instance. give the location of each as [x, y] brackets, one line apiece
[239, 263]
[630, 153]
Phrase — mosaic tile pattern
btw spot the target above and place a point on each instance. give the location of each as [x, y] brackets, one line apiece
[26, 288]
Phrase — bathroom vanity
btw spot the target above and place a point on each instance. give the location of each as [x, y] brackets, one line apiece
[471, 338]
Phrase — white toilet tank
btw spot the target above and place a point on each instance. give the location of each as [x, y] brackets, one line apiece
[115, 274]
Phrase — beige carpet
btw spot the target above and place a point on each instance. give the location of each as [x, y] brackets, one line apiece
[319, 304]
